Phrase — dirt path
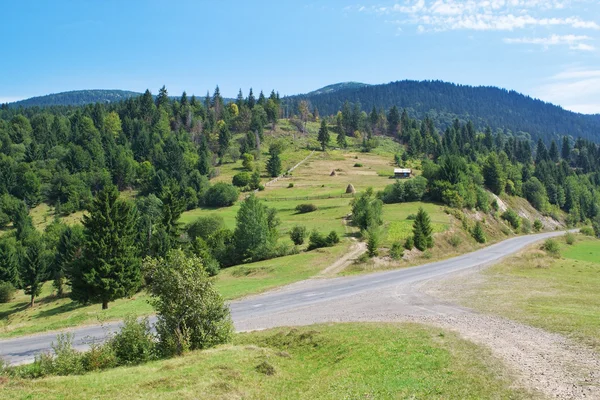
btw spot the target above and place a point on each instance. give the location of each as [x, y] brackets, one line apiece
[340, 264]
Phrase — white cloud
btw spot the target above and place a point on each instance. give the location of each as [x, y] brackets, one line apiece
[498, 15]
[573, 41]
[575, 89]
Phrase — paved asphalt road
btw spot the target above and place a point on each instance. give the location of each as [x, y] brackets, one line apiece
[311, 292]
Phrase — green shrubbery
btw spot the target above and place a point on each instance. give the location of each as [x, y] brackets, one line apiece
[7, 292]
[306, 208]
[221, 195]
[551, 247]
[512, 218]
[317, 240]
[298, 234]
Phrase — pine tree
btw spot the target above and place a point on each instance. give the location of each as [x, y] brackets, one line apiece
[393, 119]
[109, 268]
[493, 175]
[172, 207]
[9, 263]
[251, 100]
[341, 139]
[553, 153]
[422, 231]
[33, 267]
[274, 164]
[478, 233]
[224, 139]
[255, 233]
[204, 158]
[162, 100]
[541, 152]
[566, 149]
[67, 250]
[323, 135]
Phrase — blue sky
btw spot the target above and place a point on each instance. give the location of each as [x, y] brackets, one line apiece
[548, 49]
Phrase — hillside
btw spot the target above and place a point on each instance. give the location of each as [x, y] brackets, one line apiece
[76, 98]
[498, 108]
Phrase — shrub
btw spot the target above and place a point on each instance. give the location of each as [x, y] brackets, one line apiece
[551, 247]
[586, 230]
[512, 218]
[525, 226]
[221, 195]
[373, 242]
[332, 238]
[99, 357]
[454, 240]
[134, 343]
[305, 208]
[397, 251]
[248, 161]
[191, 314]
[478, 233]
[298, 234]
[358, 165]
[7, 292]
[569, 238]
[67, 360]
[203, 227]
[537, 225]
[409, 243]
[290, 185]
[265, 368]
[241, 180]
[411, 217]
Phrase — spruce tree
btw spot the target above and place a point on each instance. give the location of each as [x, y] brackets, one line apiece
[492, 174]
[566, 149]
[33, 267]
[255, 233]
[553, 153]
[67, 250]
[9, 263]
[274, 164]
[324, 135]
[204, 158]
[393, 121]
[422, 231]
[478, 233]
[109, 268]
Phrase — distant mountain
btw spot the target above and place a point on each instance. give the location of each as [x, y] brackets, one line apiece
[442, 101]
[76, 98]
[337, 87]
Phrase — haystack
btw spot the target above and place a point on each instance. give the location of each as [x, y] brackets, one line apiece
[332, 173]
[350, 189]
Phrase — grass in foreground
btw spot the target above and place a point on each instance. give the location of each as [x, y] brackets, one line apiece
[318, 362]
[559, 295]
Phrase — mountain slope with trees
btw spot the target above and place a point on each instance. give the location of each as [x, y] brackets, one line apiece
[76, 98]
[442, 102]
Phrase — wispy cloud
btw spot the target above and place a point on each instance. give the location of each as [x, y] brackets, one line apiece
[575, 42]
[482, 15]
[576, 89]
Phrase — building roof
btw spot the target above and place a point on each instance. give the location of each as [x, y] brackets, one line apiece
[402, 170]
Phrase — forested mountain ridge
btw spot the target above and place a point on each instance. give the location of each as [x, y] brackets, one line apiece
[443, 102]
[76, 98]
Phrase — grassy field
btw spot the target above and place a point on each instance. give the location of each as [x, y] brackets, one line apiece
[343, 361]
[559, 295]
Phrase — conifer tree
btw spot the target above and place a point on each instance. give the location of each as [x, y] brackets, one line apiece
[422, 231]
[204, 158]
[9, 263]
[541, 152]
[324, 135]
[274, 164]
[33, 267]
[67, 251]
[492, 174]
[255, 233]
[478, 233]
[162, 99]
[109, 268]
[393, 121]
[251, 100]
[566, 149]
[553, 153]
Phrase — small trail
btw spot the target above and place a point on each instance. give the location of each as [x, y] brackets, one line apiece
[289, 170]
[355, 251]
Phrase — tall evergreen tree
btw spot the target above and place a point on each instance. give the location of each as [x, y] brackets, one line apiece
[162, 99]
[553, 153]
[204, 158]
[251, 101]
[393, 119]
[255, 233]
[33, 267]
[323, 135]
[274, 163]
[492, 174]
[422, 231]
[109, 268]
[541, 152]
[566, 149]
[67, 251]
[9, 263]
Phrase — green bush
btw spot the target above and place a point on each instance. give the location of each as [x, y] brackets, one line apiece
[7, 292]
[241, 180]
[221, 195]
[358, 165]
[99, 357]
[332, 238]
[512, 218]
[298, 234]
[525, 226]
[569, 238]
[373, 242]
[551, 247]
[134, 343]
[67, 360]
[203, 227]
[317, 240]
[305, 208]
[411, 217]
[290, 185]
[454, 240]
[478, 233]
[538, 225]
[191, 314]
[409, 243]
[585, 230]
[397, 251]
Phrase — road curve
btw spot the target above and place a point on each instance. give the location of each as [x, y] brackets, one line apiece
[308, 293]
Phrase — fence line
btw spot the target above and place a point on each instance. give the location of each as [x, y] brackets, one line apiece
[322, 197]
